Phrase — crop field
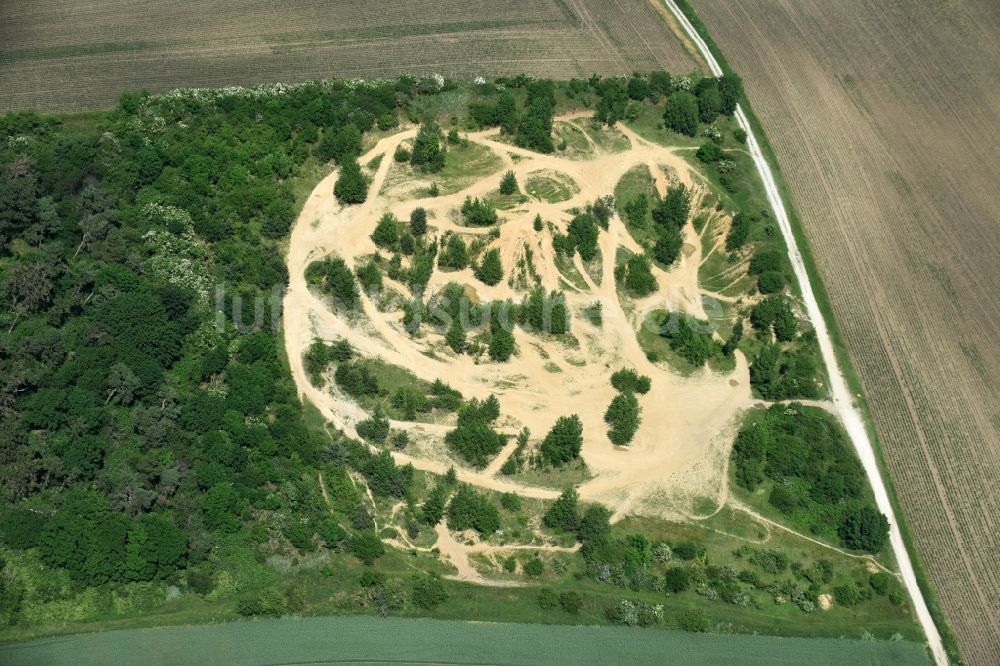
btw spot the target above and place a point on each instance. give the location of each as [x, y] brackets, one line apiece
[883, 119]
[344, 640]
[71, 56]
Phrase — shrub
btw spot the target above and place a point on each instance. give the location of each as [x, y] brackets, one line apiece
[511, 502]
[470, 510]
[564, 441]
[694, 619]
[709, 152]
[629, 381]
[268, 603]
[681, 113]
[490, 269]
[677, 579]
[418, 221]
[623, 417]
[427, 592]
[534, 567]
[562, 515]
[366, 546]
[571, 602]
[386, 234]
[879, 582]
[402, 154]
[428, 152]
[547, 598]
[375, 428]
[508, 184]
[771, 282]
[474, 437]
[351, 186]
[864, 529]
[455, 255]
[635, 276]
[478, 212]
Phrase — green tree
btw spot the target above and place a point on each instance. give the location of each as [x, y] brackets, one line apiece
[455, 255]
[455, 336]
[418, 222]
[502, 344]
[351, 186]
[490, 269]
[221, 506]
[428, 148]
[864, 529]
[508, 184]
[709, 100]
[366, 546]
[623, 417]
[340, 144]
[681, 113]
[386, 234]
[631, 381]
[564, 441]
[730, 91]
[563, 514]
[427, 592]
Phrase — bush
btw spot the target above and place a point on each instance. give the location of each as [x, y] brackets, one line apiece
[677, 579]
[681, 113]
[695, 620]
[474, 437]
[366, 546]
[478, 213]
[351, 186]
[511, 502]
[534, 567]
[771, 282]
[428, 152]
[269, 603]
[563, 442]
[623, 417]
[709, 152]
[375, 428]
[490, 269]
[571, 602]
[547, 598]
[635, 276]
[562, 515]
[418, 221]
[455, 255]
[508, 184]
[864, 529]
[879, 582]
[627, 380]
[686, 550]
[386, 234]
[427, 592]
[470, 510]
[402, 154]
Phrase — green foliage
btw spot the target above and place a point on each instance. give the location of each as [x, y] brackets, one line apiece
[628, 380]
[547, 598]
[351, 186]
[418, 221]
[370, 276]
[681, 113]
[478, 212]
[563, 514]
[474, 438]
[581, 236]
[428, 148]
[694, 620]
[490, 269]
[339, 144]
[674, 208]
[471, 510]
[427, 592]
[817, 480]
[775, 312]
[502, 344]
[432, 510]
[534, 567]
[455, 255]
[709, 153]
[623, 417]
[545, 312]
[508, 184]
[864, 528]
[693, 343]
[375, 428]
[511, 502]
[455, 336]
[386, 234]
[334, 279]
[267, 603]
[366, 546]
[709, 100]
[563, 442]
[636, 276]
[739, 230]
[779, 374]
[730, 91]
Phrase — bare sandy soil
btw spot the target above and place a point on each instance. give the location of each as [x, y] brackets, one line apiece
[680, 448]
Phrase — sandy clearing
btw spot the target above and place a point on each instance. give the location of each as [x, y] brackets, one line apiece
[849, 414]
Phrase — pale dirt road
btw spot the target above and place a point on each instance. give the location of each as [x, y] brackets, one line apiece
[686, 420]
[850, 416]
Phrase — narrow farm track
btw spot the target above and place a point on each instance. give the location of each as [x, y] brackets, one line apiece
[849, 413]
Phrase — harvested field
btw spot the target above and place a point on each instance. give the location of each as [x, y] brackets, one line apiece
[71, 56]
[883, 117]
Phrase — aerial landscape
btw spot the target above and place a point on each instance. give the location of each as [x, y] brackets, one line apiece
[562, 332]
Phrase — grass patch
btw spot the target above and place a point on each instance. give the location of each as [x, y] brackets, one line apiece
[550, 186]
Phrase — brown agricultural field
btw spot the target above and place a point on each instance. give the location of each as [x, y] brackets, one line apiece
[70, 55]
[884, 115]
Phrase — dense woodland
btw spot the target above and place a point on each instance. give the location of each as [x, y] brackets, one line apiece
[150, 433]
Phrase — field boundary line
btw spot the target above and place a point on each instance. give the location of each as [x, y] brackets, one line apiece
[849, 414]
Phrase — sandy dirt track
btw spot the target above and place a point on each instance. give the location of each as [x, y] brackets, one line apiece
[849, 413]
[687, 422]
